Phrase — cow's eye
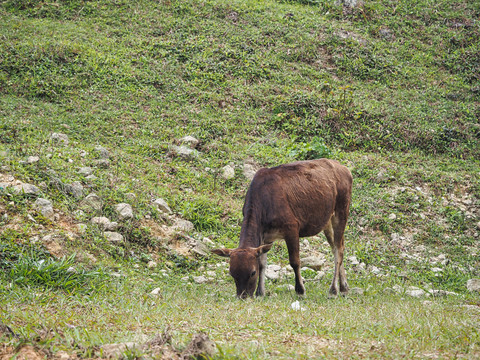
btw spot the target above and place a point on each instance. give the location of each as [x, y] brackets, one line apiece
[253, 273]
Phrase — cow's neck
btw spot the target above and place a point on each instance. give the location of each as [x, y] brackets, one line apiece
[250, 235]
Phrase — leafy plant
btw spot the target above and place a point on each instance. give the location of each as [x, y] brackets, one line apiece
[313, 149]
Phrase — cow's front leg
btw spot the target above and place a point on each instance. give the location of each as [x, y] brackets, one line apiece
[262, 264]
[293, 247]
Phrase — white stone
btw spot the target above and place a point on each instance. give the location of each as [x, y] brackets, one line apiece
[151, 264]
[45, 207]
[75, 189]
[104, 153]
[85, 171]
[92, 201]
[162, 206]
[124, 211]
[183, 152]
[296, 306]
[200, 279]
[113, 236]
[313, 262]
[392, 216]
[189, 141]
[183, 225]
[473, 285]
[104, 223]
[228, 172]
[416, 292]
[249, 171]
[155, 291]
[33, 159]
[27, 189]
[59, 138]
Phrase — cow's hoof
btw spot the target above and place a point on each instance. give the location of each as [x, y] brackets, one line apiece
[332, 293]
[300, 290]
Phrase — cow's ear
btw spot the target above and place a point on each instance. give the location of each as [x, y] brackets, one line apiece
[263, 249]
[222, 252]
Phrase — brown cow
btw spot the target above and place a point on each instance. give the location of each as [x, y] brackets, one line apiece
[288, 202]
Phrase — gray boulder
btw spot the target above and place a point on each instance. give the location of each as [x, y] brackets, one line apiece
[313, 262]
[113, 237]
[473, 285]
[59, 138]
[45, 208]
[162, 206]
[124, 211]
[104, 223]
[92, 201]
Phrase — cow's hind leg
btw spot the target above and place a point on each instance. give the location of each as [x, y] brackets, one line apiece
[262, 261]
[339, 222]
[293, 246]
[334, 234]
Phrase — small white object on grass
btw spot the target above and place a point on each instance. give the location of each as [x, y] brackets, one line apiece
[296, 306]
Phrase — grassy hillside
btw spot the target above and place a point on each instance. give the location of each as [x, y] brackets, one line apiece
[389, 88]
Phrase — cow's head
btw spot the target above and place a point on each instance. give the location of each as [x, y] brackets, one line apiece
[244, 267]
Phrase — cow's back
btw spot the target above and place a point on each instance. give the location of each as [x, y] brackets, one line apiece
[304, 192]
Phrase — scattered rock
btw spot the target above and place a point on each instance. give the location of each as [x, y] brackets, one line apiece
[442, 293]
[162, 206]
[45, 208]
[75, 189]
[353, 260]
[183, 152]
[104, 223]
[26, 189]
[85, 171]
[416, 292]
[392, 216]
[271, 273]
[228, 172]
[200, 279]
[33, 159]
[347, 3]
[313, 262]
[374, 270]
[124, 211]
[92, 201]
[189, 141]
[103, 153]
[249, 171]
[151, 264]
[183, 225]
[296, 306]
[102, 163]
[156, 291]
[113, 236]
[201, 347]
[59, 138]
[473, 285]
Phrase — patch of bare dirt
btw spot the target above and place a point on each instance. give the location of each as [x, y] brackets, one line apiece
[22, 352]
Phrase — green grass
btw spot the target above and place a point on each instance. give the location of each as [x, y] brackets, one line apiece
[389, 88]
